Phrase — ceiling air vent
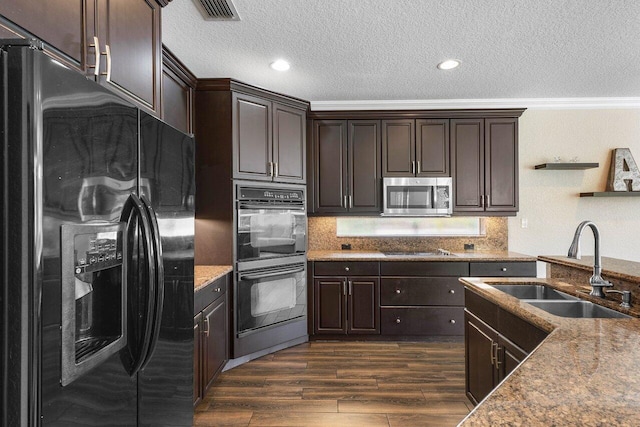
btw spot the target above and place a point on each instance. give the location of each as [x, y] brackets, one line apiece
[218, 10]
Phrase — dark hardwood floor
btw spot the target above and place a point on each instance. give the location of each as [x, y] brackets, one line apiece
[343, 384]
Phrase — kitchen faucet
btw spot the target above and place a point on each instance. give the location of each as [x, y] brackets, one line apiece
[596, 281]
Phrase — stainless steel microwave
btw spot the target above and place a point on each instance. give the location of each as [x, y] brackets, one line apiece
[417, 196]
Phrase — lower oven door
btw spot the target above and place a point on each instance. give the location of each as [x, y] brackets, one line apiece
[270, 296]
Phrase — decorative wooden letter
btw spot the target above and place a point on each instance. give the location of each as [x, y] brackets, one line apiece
[623, 172]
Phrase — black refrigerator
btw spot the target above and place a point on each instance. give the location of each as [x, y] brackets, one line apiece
[97, 230]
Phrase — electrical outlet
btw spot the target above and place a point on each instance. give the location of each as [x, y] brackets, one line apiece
[346, 246]
[469, 246]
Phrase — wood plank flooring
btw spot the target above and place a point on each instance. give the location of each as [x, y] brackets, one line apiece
[370, 384]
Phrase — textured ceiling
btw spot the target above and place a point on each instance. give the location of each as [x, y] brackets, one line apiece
[388, 49]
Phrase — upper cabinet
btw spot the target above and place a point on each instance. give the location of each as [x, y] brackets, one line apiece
[115, 42]
[178, 88]
[346, 166]
[250, 133]
[477, 148]
[484, 159]
[415, 147]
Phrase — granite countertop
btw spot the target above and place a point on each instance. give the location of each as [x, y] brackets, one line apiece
[584, 373]
[612, 267]
[351, 255]
[205, 274]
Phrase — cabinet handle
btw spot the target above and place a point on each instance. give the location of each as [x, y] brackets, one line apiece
[217, 289]
[206, 327]
[487, 201]
[398, 291]
[275, 174]
[397, 320]
[452, 321]
[413, 167]
[492, 352]
[344, 288]
[498, 362]
[96, 47]
[344, 202]
[350, 287]
[452, 291]
[270, 169]
[418, 169]
[346, 269]
[107, 53]
[482, 201]
[350, 201]
[503, 269]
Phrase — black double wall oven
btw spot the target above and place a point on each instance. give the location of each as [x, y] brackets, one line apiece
[270, 287]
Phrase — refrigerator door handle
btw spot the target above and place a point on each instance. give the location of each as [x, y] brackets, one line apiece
[159, 282]
[134, 206]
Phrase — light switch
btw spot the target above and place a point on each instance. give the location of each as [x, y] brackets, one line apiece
[524, 223]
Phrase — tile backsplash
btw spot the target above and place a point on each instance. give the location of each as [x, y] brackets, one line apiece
[322, 237]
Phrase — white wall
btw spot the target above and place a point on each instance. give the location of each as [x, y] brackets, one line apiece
[550, 200]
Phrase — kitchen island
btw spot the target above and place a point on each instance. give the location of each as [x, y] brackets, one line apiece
[583, 374]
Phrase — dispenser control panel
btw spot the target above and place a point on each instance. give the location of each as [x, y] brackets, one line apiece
[97, 251]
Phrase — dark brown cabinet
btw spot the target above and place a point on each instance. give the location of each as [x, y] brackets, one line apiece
[484, 165]
[496, 341]
[415, 147]
[116, 42]
[347, 166]
[269, 140]
[178, 87]
[346, 304]
[211, 335]
[422, 298]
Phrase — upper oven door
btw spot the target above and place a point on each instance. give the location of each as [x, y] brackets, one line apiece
[270, 230]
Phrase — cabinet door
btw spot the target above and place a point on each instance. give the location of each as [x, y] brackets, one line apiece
[252, 142]
[59, 23]
[509, 357]
[131, 30]
[330, 155]
[364, 305]
[177, 94]
[501, 165]
[467, 164]
[364, 166]
[481, 374]
[289, 153]
[329, 305]
[197, 354]
[215, 339]
[432, 147]
[398, 147]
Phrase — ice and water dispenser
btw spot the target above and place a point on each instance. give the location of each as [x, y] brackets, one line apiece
[94, 322]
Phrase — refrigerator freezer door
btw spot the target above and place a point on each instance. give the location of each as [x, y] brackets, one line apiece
[168, 182]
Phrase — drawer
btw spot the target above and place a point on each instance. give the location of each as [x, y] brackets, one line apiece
[346, 268]
[421, 291]
[211, 292]
[428, 321]
[503, 269]
[424, 268]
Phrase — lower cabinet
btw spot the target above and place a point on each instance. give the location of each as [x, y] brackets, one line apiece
[211, 336]
[496, 341]
[346, 298]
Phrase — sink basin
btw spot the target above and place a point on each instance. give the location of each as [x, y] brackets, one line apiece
[534, 292]
[576, 309]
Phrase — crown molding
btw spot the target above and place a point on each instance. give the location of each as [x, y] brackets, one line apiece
[529, 103]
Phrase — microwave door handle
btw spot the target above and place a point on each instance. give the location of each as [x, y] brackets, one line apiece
[159, 282]
[272, 274]
[133, 206]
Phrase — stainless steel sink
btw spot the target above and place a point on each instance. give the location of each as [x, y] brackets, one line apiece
[533, 291]
[576, 309]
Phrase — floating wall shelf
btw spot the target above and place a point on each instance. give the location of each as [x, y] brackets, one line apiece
[567, 166]
[611, 194]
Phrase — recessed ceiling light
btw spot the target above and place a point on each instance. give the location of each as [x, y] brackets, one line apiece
[448, 64]
[280, 65]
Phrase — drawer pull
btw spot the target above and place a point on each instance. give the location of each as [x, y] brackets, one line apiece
[452, 291]
[398, 291]
[503, 269]
[346, 269]
[217, 289]
[452, 321]
[398, 320]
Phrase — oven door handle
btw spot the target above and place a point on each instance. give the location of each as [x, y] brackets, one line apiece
[271, 207]
[272, 274]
